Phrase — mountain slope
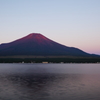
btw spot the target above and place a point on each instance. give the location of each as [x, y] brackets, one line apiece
[36, 44]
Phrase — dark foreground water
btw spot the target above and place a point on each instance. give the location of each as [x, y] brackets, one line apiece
[49, 81]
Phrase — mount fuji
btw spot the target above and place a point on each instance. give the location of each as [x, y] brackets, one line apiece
[35, 44]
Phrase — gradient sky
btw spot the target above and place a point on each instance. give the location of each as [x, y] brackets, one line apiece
[74, 23]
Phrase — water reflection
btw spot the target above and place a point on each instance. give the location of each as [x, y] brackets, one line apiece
[48, 86]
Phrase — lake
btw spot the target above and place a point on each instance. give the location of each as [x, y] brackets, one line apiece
[49, 81]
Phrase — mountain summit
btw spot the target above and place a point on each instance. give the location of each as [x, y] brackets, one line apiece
[35, 44]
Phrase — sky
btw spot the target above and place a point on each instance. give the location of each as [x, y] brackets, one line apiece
[74, 23]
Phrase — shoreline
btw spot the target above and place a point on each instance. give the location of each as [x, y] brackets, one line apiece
[50, 60]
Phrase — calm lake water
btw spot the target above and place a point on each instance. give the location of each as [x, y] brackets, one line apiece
[49, 81]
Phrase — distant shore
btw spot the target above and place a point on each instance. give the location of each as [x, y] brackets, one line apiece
[48, 59]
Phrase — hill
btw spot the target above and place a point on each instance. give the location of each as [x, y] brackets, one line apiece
[36, 44]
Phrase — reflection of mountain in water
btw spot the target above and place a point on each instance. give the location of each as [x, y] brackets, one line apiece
[50, 86]
[49, 81]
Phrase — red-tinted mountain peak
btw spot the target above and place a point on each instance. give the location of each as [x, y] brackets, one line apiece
[35, 36]
[31, 35]
[39, 38]
[33, 39]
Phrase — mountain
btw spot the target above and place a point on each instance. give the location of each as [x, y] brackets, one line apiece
[36, 44]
